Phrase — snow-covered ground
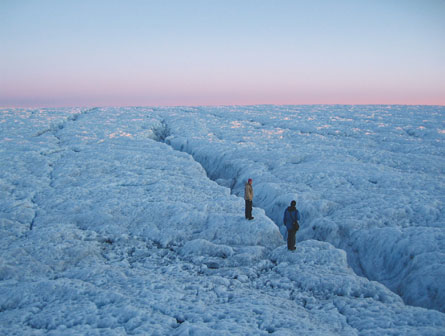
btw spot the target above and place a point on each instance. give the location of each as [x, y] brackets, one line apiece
[109, 226]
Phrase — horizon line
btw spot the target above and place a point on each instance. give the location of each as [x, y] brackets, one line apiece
[208, 105]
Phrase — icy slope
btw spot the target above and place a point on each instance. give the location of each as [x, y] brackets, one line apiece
[105, 230]
[368, 179]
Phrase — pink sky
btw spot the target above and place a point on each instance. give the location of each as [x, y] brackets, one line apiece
[101, 53]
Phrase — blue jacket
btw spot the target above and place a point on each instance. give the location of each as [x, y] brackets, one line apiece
[291, 215]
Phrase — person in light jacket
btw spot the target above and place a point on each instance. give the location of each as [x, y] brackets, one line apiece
[248, 197]
[290, 220]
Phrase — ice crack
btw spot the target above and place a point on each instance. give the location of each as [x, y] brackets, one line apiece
[161, 132]
[54, 129]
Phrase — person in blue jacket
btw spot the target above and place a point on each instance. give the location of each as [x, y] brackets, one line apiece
[290, 220]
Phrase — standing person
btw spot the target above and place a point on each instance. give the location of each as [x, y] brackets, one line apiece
[290, 219]
[248, 197]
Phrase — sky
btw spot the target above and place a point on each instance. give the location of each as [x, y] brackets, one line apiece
[149, 53]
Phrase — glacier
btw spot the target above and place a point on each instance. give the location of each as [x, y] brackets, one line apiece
[130, 220]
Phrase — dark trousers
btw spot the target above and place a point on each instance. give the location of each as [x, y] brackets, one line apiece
[248, 209]
[291, 238]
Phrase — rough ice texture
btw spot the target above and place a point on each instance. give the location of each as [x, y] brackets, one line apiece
[131, 221]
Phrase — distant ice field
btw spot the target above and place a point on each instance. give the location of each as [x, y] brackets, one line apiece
[130, 221]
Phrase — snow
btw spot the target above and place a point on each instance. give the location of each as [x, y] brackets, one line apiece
[130, 221]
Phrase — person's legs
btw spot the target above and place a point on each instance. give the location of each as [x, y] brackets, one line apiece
[291, 239]
[248, 209]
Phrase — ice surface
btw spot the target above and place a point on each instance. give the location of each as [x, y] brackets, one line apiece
[109, 225]
[367, 179]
